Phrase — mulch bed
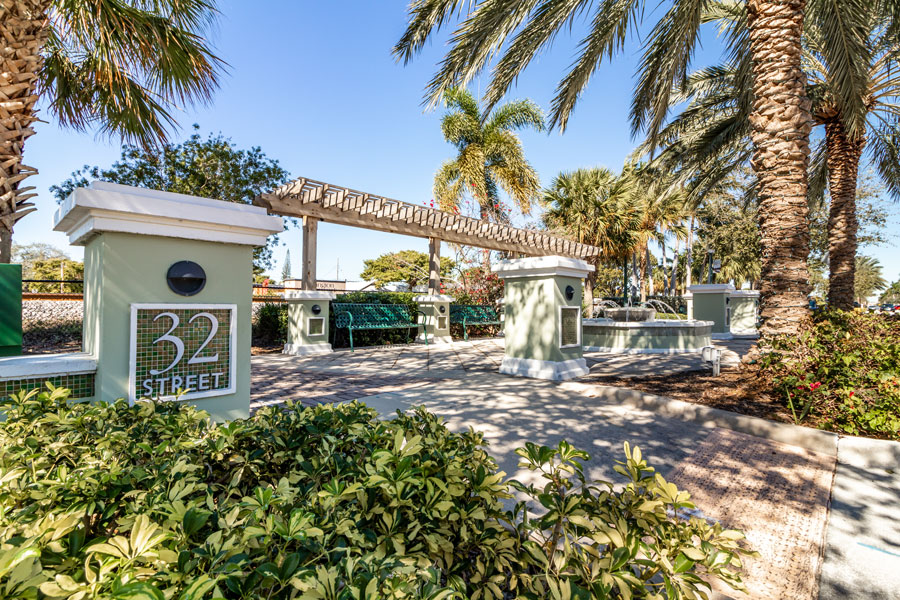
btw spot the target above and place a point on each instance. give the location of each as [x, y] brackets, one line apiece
[737, 390]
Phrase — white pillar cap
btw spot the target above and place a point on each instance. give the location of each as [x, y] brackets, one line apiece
[712, 288]
[536, 266]
[110, 207]
[291, 294]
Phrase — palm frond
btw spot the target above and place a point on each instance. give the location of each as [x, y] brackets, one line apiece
[664, 65]
[426, 17]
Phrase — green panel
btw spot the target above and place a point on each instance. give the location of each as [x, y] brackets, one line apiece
[182, 349]
[711, 306]
[11, 310]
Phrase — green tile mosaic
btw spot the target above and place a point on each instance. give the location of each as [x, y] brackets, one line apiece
[80, 384]
[182, 348]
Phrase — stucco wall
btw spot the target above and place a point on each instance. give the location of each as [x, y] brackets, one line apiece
[532, 319]
[121, 269]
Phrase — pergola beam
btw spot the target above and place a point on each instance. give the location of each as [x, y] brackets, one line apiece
[344, 206]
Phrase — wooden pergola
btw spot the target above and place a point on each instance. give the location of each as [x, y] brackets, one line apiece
[315, 201]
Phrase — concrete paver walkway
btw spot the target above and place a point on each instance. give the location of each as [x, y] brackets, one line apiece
[777, 493]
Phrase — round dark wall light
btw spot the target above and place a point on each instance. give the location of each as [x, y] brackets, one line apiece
[316, 309]
[570, 292]
[186, 278]
[443, 308]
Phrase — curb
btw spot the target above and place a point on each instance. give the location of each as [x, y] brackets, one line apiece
[815, 440]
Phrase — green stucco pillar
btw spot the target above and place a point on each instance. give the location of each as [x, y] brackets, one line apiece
[307, 313]
[436, 322]
[542, 329]
[168, 286]
[744, 310]
[10, 310]
[711, 303]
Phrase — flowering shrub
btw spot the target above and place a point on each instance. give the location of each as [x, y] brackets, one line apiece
[842, 371]
[152, 502]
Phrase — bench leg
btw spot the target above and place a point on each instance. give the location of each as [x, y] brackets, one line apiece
[350, 331]
[465, 330]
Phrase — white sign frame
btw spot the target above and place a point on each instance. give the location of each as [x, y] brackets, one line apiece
[132, 349]
[577, 331]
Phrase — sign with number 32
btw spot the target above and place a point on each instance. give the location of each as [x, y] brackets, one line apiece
[182, 351]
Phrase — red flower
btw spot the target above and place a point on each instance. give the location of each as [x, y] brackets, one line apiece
[851, 394]
[814, 386]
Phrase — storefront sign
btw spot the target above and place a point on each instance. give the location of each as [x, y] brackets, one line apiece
[182, 351]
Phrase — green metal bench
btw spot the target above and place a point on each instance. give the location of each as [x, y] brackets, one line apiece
[358, 317]
[473, 314]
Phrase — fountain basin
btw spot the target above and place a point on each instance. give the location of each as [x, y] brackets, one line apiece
[629, 314]
[646, 337]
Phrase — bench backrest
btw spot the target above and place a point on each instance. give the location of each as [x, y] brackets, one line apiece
[372, 316]
[473, 313]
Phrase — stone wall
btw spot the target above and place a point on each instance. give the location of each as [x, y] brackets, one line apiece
[45, 314]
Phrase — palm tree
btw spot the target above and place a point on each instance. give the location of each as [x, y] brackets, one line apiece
[780, 120]
[869, 278]
[594, 206]
[850, 61]
[490, 155]
[122, 67]
[663, 209]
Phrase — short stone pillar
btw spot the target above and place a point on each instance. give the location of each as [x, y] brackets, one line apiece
[744, 310]
[307, 317]
[542, 324]
[168, 286]
[711, 303]
[436, 322]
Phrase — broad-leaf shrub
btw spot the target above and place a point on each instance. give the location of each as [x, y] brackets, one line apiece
[153, 502]
[842, 370]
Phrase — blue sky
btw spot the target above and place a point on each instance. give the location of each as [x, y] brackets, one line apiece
[315, 86]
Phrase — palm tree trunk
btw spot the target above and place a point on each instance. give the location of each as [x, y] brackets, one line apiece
[589, 290]
[689, 258]
[23, 29]
[780, 124]
[843, 156]
[673, 284]
[648, 273]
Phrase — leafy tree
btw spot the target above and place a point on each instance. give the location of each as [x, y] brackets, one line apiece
[891, 294]
[407, 266]
[124, 67]
[44, 261]
[594, 206]
[728, 226]
[212, 168]
[490, 155]
[779, 120]
[286, 269]
[869, 278]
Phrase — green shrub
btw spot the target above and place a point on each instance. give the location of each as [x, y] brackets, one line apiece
[153, 502]
[842, 371]
[270, 326]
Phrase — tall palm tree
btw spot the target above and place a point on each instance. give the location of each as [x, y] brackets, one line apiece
[518, 31]
[870, 279]
[490, 155]
[594, 206]
[121, 66]
[663, 209]
[850, 59]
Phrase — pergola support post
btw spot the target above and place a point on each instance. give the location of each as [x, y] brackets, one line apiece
[310, 233]
[434, 266]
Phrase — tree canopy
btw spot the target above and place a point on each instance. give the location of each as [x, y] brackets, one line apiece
[407, 266]
[210, 168]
